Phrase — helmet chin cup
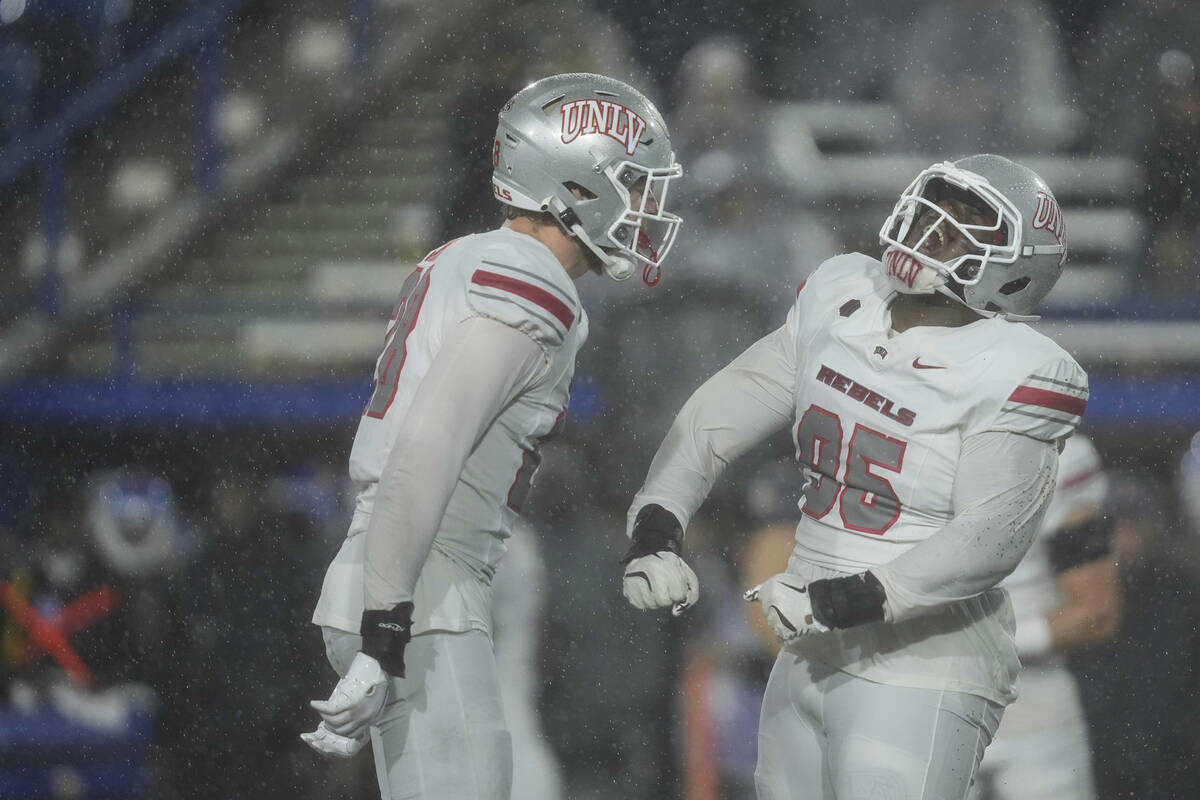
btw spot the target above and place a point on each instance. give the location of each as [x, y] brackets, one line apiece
[908, 272]
[618, 267]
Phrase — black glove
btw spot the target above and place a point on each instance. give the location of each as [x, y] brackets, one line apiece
[849, 601]
[385, 635]
[655, 530]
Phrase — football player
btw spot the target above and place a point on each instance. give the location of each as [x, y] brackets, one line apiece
[927, 418]
[1065, 595]
[475, 373]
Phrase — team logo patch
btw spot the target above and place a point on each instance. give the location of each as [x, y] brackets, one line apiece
[583, 117]
[1048, 216]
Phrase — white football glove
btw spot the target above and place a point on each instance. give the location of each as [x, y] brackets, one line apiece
[357, 700]
[786, 602]
[659, 580]
[330, 745]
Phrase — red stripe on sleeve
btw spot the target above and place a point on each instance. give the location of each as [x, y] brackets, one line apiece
[1045, 398]
[557, 308]
[800, 288]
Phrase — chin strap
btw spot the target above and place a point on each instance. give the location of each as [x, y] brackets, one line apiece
[1008, 315]
[616, 267]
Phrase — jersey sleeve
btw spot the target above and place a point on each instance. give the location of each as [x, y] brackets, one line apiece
[1046, 404]
[535, 296]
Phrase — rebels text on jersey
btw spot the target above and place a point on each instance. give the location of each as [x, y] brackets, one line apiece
[881, 416]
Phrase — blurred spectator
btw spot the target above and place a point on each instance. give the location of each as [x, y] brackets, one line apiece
[521, 591]
[739, 543]
[20, 74]
[610, 673]
[470, 205]
[114, 589]
[1065, 596]
[720, 105]
[744, 234]
[254, 667]
[1139, 692]
[663, 30]
[984, 76]
[830, 50]
[1171, 166]
[1121, 71]
[733, 275]
[97, 602]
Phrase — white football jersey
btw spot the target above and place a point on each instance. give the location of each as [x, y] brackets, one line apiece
[1048, 694]
[510, 277]
[880, 420]
[1081, 485]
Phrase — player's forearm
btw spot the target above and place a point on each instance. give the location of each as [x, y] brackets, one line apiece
[731, 412]
[1005, 483]
[412, 497]
[478, 370]
[1091, 612]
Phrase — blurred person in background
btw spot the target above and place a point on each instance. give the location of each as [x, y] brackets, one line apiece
[1171, 162]
[1065, 596]
[751, 231]
[721, 107]
[727, 660]
[92, 641]
[1131, 49]
[750, 243]
[811, 49]
[928, 420]
[613, 729]
[468, 208]
[984, 75]
[1139, 690]
[106, 563]
[475, 374]
[255, 575]
[521, 592]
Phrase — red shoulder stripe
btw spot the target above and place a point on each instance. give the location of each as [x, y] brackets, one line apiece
[557, 308]
[800, 288]
[1056, 401]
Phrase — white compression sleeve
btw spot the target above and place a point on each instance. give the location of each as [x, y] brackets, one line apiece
[481, 367]
[1001, 490]
[731, 412]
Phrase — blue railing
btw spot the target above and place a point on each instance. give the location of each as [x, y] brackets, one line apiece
[202, 36]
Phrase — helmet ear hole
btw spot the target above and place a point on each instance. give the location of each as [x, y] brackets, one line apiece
[584, 193]
[1014, 286]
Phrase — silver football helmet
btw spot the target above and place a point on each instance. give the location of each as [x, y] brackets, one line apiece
[598, 137]
[1016, 257]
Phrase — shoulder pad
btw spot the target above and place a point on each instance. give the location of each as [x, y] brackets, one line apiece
[533, 294]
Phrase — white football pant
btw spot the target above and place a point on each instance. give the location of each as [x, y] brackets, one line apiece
[827, 735]
[442, 735]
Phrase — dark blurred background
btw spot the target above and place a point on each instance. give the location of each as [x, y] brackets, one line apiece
[207, 208]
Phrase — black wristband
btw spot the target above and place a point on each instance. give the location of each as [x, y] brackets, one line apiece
[849, 601]
[385, 634]
[654, 531]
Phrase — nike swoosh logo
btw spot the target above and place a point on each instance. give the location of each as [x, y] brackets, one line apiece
[918, 365]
